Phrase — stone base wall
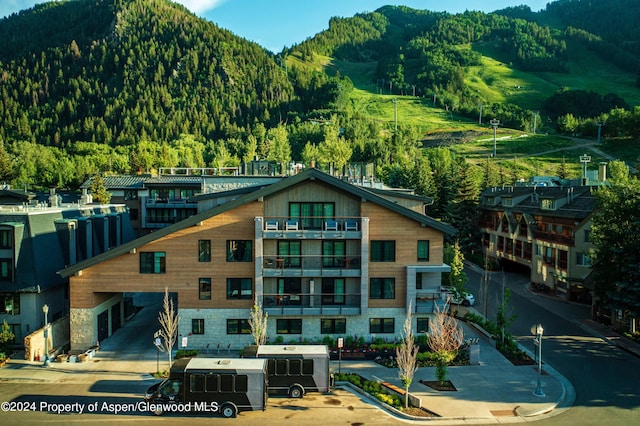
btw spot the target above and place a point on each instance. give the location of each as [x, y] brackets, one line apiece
[215, 337]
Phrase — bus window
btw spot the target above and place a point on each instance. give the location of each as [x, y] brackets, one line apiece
[196, 383]
[226, 383]
[281, 367]
[242, 384]
[212, 382]
[307, 367]
[294, 367]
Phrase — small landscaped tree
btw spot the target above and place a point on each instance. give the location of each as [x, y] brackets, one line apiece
[406, 357]
[444, 338]
[6, 337]
[258, 323]
[168, 319]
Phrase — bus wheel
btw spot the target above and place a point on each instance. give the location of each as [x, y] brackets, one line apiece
[295, 392]
[158, 410]
[228, 411]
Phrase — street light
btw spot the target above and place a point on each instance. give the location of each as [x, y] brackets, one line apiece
[537, 331]
[45, 310]
[495, 123]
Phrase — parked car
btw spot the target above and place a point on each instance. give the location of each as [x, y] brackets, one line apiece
[463, 298]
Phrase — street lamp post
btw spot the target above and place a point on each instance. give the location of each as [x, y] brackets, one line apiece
[45, 310]
[537, 331]
[495, 123]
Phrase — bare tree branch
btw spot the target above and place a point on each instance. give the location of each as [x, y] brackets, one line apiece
[258, 323]
[168, 319]
[444, 338]
[406, 357]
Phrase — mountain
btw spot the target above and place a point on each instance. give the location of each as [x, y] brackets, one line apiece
[513, 55]
[121, 71]
[89, 86]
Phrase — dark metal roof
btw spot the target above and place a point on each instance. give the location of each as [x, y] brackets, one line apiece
[120, 182]
[305, 175]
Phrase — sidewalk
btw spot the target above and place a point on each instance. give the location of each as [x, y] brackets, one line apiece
[495, 391]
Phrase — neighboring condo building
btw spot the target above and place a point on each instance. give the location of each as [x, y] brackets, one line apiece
[323, 257]
[37, 239]
[544, 228]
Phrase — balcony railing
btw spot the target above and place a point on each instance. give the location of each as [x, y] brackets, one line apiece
[554, 238]
[312, 304]
[312, 223]
[309, 265]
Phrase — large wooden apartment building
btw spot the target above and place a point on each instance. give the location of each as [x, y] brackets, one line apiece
[323, 257]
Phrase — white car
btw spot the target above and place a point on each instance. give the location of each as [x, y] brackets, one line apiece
[459, 298]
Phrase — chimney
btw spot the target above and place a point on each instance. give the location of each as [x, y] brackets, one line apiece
[53, 198]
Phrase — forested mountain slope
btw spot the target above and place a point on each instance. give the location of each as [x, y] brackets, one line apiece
[120, 71]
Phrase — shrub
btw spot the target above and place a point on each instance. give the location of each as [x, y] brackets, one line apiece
[186, 353]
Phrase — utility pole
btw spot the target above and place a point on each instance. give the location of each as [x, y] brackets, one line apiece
[535, 121]
[395, 114]
[480, 117]
[495, 123]
[599, 124]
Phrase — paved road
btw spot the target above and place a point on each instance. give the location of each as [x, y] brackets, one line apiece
[606, 378]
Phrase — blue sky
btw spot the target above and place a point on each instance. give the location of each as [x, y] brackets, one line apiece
[275, 24]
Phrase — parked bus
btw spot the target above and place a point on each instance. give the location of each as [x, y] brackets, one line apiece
[222, 385]
[295, 369]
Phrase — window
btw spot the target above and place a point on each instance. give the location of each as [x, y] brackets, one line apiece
[587, 236]
[333, 326]
[289, 253]
[333, 291]
[422, 325]
[381, 325]
[382, 288]
[507, 202]
[197, 326]
[548, 204]
[423, 251]
[239, 251]
[204, 286]
[312, 215]
[133, 214]
[239, 288]
[383, 251]
[204, 250]
[164, 215]
[196, 383]
[289, 290]
[238, 326]
[187, 193]
[152, 262]
[130, 194]
[6, 269]
[289, 326]
[333, 254]
[6, 239]
[10, 304]
[583, 259]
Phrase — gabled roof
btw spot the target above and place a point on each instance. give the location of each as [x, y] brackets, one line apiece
[289, 182]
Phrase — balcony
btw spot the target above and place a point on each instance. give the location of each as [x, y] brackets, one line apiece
[311, 266]
[554, 238]
[311, 304]
[312, 227]
[426, 303]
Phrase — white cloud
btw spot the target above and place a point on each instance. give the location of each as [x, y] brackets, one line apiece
[200, 6]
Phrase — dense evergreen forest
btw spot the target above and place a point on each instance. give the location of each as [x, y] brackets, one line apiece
[123, 86]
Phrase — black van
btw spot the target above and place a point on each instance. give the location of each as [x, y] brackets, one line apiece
[218, 385]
